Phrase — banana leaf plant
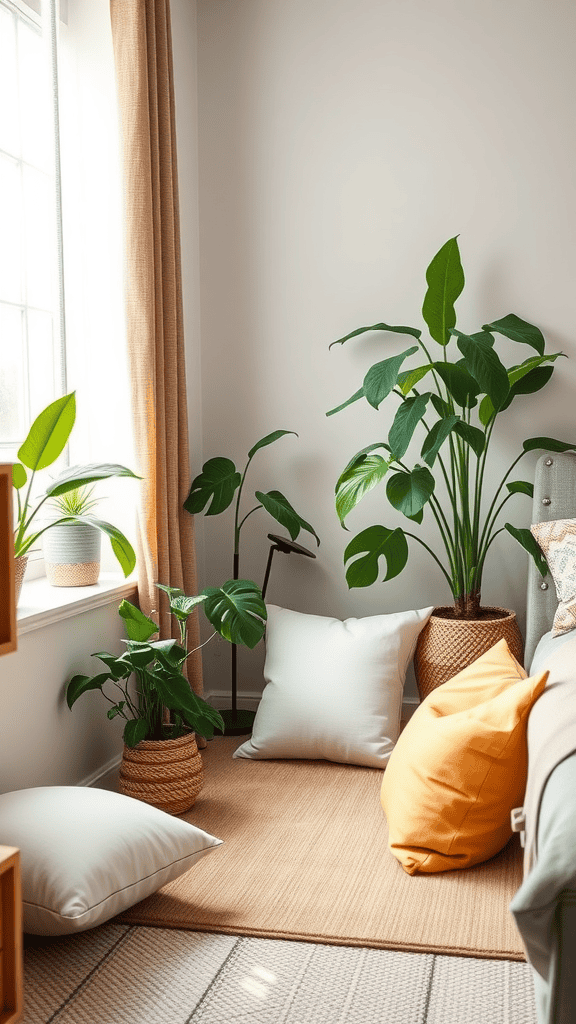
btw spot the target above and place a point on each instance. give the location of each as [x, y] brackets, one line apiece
[237, 613]
[454, 399]
[45, 442]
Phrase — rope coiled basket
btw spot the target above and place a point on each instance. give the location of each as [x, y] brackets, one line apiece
[447, 645]
[165, 773]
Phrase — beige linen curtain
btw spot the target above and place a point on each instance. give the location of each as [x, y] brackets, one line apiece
[165, 544]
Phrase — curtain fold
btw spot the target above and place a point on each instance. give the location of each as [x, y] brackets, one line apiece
[165, 544]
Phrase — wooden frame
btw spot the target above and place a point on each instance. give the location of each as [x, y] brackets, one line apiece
[11, 978]
[8, 630]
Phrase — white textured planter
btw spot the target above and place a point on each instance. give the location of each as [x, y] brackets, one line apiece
[72, 555]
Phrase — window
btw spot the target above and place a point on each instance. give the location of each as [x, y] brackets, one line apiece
[61, 254]
[32, 368]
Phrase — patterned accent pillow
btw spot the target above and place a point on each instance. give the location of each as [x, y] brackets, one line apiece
[558, 542]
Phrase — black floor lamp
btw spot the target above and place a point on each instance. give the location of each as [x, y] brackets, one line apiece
[239, 721]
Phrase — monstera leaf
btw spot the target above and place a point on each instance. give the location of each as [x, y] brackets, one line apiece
[237, 611]
[374, 543]
[217, 484]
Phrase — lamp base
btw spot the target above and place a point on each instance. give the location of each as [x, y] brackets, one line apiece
[237, 723]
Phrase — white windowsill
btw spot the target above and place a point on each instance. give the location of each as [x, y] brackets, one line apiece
[40, 604]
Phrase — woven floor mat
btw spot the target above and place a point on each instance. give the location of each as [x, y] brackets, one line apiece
[118, 975]
[305, 857]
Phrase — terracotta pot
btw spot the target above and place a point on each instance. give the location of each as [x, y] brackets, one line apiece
[165, 773]
[72, 555]
[20, 564]
[447, 645]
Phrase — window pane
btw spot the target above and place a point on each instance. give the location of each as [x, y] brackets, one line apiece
[11, 231]
[9, 132]
[40, 238]
[41, 359]
[36, 119]
[12, 425]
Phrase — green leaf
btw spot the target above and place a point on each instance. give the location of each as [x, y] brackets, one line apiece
[532, 382]
[461, 385]
[485, 367]
[521, 487]
[117, 667]
[512, 326]
[237, 611]
[472, 436]
[168, 652]
[436, 437]
[383, 376]
[354, 398]
[409, 378]
[138, 626]
[269, 439]
[134, 731]
[81, 684]
[547, 444]
[116, 710]
[408, 416]
[139, 655]
[518, 372]
[19, 476]
[441, 407]
[409, 492]
[528, 542]
[49, 433]
[378, 327]
[78, 476]
[175, 693]
[486, 411]
[357, 479]
[377, 542]
[217, 483]
[180, 605]
[445, 279]
[281, 510]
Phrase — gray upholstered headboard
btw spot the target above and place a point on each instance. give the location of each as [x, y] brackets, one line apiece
[554, 498]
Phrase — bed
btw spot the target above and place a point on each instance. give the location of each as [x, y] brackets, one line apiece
[545, 905]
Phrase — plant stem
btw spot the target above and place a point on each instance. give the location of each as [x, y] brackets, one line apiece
[429, 550]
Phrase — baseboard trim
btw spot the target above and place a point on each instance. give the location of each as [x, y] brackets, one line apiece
[106, 769]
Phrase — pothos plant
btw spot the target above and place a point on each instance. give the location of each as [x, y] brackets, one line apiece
[454, 398]
[235, 610]
[220, 481]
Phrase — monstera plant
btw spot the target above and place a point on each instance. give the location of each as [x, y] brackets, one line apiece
[449, 393]
[213, 491]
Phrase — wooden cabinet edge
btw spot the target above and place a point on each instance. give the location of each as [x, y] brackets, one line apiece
[12, 994]
[8, 628]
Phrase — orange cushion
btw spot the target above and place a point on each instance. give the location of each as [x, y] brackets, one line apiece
[459, 766]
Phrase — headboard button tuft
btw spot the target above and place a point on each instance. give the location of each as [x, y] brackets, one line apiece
[549, 462]
[543, 586]
[546, 501]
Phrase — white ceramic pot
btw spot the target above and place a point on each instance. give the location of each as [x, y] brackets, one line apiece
[72, 555]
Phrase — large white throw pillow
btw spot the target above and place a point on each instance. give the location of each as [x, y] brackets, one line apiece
[333, 689]
[86, 854]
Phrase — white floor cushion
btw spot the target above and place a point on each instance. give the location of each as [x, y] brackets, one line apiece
[86, 854]
[333, 689]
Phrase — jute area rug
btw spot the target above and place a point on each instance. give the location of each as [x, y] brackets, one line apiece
[305, 856]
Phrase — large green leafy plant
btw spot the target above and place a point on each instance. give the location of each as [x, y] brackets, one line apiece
[454, 399]
[236, 611]
[45, 442]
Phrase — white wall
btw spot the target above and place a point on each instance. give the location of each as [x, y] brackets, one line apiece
[42, 742]
[341, 142]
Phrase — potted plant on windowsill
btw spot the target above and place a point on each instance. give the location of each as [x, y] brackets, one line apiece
[161, 763]
[45, 442]
[455, 400]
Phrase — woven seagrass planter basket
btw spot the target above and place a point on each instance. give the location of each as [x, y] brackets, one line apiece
[447, 645]
[165, 773]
